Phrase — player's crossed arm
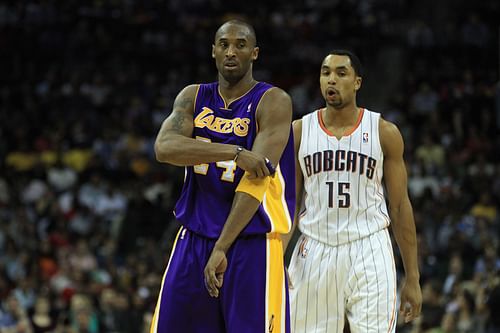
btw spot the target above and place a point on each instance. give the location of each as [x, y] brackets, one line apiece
[175, 145]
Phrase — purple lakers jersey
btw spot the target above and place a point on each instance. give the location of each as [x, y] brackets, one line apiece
[209, 189]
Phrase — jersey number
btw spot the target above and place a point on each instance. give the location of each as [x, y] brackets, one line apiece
[344, 197]
[229, 167]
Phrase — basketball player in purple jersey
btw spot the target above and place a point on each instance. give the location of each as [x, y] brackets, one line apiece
[226, 270]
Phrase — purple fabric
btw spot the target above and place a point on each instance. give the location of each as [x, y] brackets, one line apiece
[186, 305]
[206, 200]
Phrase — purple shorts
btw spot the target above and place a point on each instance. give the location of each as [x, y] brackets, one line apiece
[253, 298]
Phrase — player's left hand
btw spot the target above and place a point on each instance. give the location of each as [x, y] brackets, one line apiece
[214, 272]
[411, 300]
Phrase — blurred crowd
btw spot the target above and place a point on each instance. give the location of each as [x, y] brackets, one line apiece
[86, 223]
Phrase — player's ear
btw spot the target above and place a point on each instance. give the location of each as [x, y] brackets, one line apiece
[357, 83]
[213, 51]
[255, 53]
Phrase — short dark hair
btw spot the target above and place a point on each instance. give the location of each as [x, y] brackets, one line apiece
[241, 23]
[355, 62]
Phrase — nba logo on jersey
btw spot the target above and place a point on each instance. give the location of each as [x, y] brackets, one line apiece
[365, 137]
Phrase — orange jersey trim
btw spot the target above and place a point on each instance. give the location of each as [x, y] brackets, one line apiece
[327, 131]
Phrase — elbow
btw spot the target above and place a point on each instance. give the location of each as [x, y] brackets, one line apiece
[162, 152]
[394, 211]
[168, 150]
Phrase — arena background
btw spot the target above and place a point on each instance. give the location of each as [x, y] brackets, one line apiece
[86, 222]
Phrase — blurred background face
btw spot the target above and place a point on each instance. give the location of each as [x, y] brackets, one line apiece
[234, 51]
[42, 305]
[338, 80]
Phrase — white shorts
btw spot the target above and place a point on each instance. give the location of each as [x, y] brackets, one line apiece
[357, 280]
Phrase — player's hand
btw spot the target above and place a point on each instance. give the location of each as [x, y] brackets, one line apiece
[214, 272]
[255, 164]
[411, 300]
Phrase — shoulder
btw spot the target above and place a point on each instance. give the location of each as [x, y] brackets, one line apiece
[388, 129]
[189, 91]
[186, 98]
[274, 105]
[297, 126]
[391, 139]
[276, 95]
[297, 133]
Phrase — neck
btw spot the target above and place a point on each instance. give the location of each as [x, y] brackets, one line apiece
[343, 116]
[232, 90]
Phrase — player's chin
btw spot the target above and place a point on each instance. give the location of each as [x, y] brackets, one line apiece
[232, 73]
[335, 104]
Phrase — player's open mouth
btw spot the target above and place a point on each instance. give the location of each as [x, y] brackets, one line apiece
[331, 92]
[230, 64]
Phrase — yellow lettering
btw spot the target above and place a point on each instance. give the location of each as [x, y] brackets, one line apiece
[221, 125]
[241, 129]
[228, 126]
[216, 125]
[201, 120]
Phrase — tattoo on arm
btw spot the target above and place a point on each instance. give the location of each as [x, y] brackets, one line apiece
[182, 103]
[177, 122]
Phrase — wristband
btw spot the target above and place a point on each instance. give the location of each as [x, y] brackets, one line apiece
[239, 149]
[270, 167]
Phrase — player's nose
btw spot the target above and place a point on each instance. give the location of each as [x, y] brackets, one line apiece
[230, 51]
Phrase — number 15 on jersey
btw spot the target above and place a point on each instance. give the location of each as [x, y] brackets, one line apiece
[340, 193]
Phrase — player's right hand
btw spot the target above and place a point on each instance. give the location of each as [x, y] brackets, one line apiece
[255, 164]
[411, 300]
[214, 272]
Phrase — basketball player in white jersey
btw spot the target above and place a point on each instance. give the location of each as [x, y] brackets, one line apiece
[343, 263]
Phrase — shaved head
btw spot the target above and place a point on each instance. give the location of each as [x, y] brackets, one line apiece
[245, 27]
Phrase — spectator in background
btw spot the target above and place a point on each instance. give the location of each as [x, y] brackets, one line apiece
[82, 315]
[61, 177]
[13, 318]
[454, 277]
[485, 208]
[42, 318]
[475, 32]
[448, 324]
[493, 304]
[420, 35]
[431, 154]
[432, 306]
[424, 102]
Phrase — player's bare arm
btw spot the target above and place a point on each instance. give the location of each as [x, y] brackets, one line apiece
[299, 182]
[274, 115]
[174, 143]
[401, 213]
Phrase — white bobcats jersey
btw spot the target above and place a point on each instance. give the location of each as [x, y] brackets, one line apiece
[344, 196]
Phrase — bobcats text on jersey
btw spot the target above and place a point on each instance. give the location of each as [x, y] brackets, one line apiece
[340, 160]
